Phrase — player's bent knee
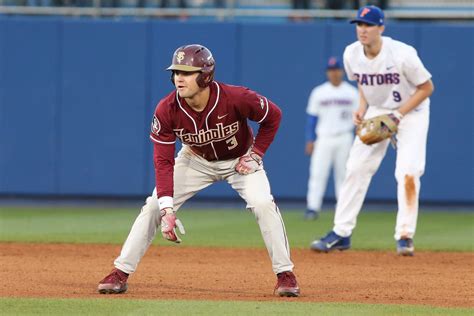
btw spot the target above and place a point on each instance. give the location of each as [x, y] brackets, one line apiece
[151, 211]
[401, 175]
[151, 206]
[261, 205]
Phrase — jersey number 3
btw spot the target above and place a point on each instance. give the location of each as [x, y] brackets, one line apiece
[396, 96]
[232, 142]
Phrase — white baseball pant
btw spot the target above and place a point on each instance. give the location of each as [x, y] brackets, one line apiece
[192, 173]
[327, 151]
[364, 161]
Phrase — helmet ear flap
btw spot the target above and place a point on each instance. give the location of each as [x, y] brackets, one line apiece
[203, 80]
[172, 78]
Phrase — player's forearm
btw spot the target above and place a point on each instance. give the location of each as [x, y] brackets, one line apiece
[362, 101]
[422, 92]
[311, 122]
[264, 138]
[163, 161]
[267, 131]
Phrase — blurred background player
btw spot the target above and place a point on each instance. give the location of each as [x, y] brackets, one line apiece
[329, 110]
[391, 79]
[210, 120]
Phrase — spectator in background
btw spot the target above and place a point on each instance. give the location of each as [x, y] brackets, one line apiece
[220, 4]
[40, 3]
[382, 4]
[135, 3]
[330, 105]
[161, 3]
[340, 4]
[181, 4]
[335, 4]
[63, 3]
[51, 3]
[12, 2]
[300, 5]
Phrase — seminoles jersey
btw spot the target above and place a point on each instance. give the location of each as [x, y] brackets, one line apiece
[333, 106]
[219, 132]
[389, 79]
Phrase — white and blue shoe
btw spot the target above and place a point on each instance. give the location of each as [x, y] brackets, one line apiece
[330, 242]
[405, 247]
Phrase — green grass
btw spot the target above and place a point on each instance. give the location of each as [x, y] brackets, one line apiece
[31, 306]
[437, 231]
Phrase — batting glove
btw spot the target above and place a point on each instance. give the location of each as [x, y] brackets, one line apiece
[248, 163]
[169, 223]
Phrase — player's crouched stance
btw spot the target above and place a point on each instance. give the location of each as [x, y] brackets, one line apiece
[210, 120]
[396, 85]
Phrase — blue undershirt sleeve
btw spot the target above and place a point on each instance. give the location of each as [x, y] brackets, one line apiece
[311, 122]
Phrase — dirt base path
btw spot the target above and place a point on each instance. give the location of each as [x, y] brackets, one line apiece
[73, 271]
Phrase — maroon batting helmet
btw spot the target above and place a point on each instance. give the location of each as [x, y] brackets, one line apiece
[191, 58]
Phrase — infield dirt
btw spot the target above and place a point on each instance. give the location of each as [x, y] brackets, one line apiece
[180, 272]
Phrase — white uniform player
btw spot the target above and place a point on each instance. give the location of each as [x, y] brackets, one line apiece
[330, 105]
[391, 79]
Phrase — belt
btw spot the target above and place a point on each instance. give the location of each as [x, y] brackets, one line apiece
[202, 155]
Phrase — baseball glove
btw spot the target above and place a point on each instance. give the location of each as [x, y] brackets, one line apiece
[378, 128]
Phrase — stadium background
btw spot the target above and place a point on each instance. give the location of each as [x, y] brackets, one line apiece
[77, 96]
[78, 86]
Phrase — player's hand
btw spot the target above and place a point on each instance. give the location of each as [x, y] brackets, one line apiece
[248, 163]
[169, 222]
[358, 116]
[309, 148]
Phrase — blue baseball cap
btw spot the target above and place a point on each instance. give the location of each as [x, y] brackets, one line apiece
[371, 15]
[333, 63]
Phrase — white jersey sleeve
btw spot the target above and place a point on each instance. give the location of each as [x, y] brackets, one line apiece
[355, 97]
[313, 103]
[414, 69]
[347, 66]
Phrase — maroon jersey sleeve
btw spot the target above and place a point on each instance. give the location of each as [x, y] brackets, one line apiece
[266, 113]
[163, 160]
[164, 146]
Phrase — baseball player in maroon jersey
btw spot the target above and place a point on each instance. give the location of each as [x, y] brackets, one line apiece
[210, 120]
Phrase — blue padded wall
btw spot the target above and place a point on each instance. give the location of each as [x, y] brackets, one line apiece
[77, 97]
[3, 143]
[283, 62]
[103, 83]
[28, 105]
[449, 171]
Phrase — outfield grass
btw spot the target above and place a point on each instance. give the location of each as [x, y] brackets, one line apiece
[437, 231]
[31, 306]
